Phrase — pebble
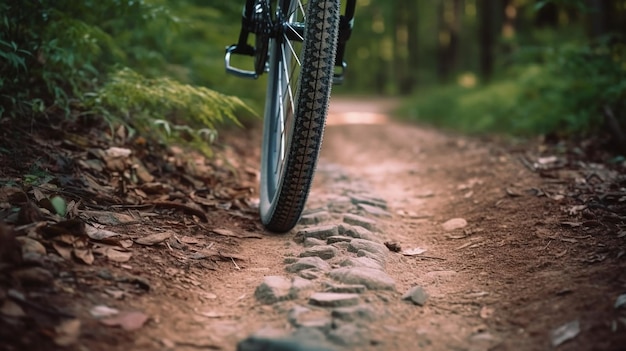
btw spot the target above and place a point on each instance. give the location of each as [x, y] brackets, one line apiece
[361, 221]
[307, 263]
[453, 224]
[319, 232]
[361, 262]
[324, 252]
[273, 289]
[372, 278]
[326, 299]
[308, 242]
[417, 295]
[361, 244]
[354, 313]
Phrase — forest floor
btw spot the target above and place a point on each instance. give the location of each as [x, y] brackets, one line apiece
[505, 246]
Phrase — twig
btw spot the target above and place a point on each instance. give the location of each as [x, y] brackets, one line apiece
[235, 263]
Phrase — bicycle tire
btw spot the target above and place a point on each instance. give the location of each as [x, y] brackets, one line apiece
[295, 117]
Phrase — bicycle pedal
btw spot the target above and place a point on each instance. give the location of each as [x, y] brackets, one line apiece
[245, 50]
[339, 75]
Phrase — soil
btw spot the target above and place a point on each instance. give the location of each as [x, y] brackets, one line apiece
[541, 245]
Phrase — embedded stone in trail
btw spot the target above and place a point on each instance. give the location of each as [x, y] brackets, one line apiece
[374, 210]
[361, 199]
[349, 335]
[360, 233]
[320, 232]
[338, 239]
[372, 278]
[354, 313]
[324, 252]
[308, 263]
[324, 299]
[380, 258]
[315, 218]
[361, 221]
[366, 245]
[308, 242]
[345, 288]
[417, 295]
[361, 262]
[273, 289]
[454, 223]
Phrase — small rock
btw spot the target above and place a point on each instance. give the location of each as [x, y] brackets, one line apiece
[319, 232]
[354, 313]
[348, 335]
[307, 263]
[374, 210]
[310, 274]
[308, 242]
[295, 312]
[288, 260]
[361, 262]
[273, 289]
[360, 233]
[453, 224]
[366, 245]
[372, 278]
[324, 299]
[361, 199]
[380, 258]
[299, 284]
[338, 239]
[345, 288]
[361, 221]
[417, 295]
[315, 218]
[342, 245]
[324, 252]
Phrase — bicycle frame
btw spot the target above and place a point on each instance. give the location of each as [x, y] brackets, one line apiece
[257, 20]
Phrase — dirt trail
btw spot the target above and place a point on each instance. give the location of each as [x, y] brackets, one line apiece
[521, 268]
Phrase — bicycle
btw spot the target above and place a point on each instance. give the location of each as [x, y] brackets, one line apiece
[300, 44]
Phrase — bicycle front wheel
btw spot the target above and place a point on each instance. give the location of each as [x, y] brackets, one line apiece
[301, 65]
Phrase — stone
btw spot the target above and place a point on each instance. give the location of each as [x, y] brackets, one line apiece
[417, 295]
[354, 313]
[344, 288]
[366, 245]
[374, 210]
[302, 317]
[453, 224]
[310, 274]
[371, 201]
[307, 263]
[324, 252]
[360, 233]
[299, 284]
[349, 335]
[342, 245]
[315, 218]
[319, 232]
[338, 239]
[288, 260]
[324, 299]
[273, 289]
[361, 262]
[295, 312]
[372, 278]
[308, 242]
[380, 258]
[361, 221]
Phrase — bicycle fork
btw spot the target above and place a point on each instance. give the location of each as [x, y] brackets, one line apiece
[256, 19]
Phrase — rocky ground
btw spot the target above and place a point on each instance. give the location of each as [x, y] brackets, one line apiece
[412, 239]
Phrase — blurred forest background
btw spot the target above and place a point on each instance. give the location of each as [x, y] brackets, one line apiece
[521, 67]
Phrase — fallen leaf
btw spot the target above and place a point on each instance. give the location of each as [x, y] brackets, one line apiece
[102, 311]
[128, 321]
[565, 332]
[63, 250]
[84, 254]
[59, 205]
[67, 332]
[12, 309]
[99, 234]
[116, 255]
[155, 238]
[414, 251]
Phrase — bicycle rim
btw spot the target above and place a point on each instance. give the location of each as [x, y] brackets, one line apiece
[299, 83]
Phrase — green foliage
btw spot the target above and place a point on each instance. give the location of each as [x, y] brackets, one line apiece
[105, 57]
[555, 90]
